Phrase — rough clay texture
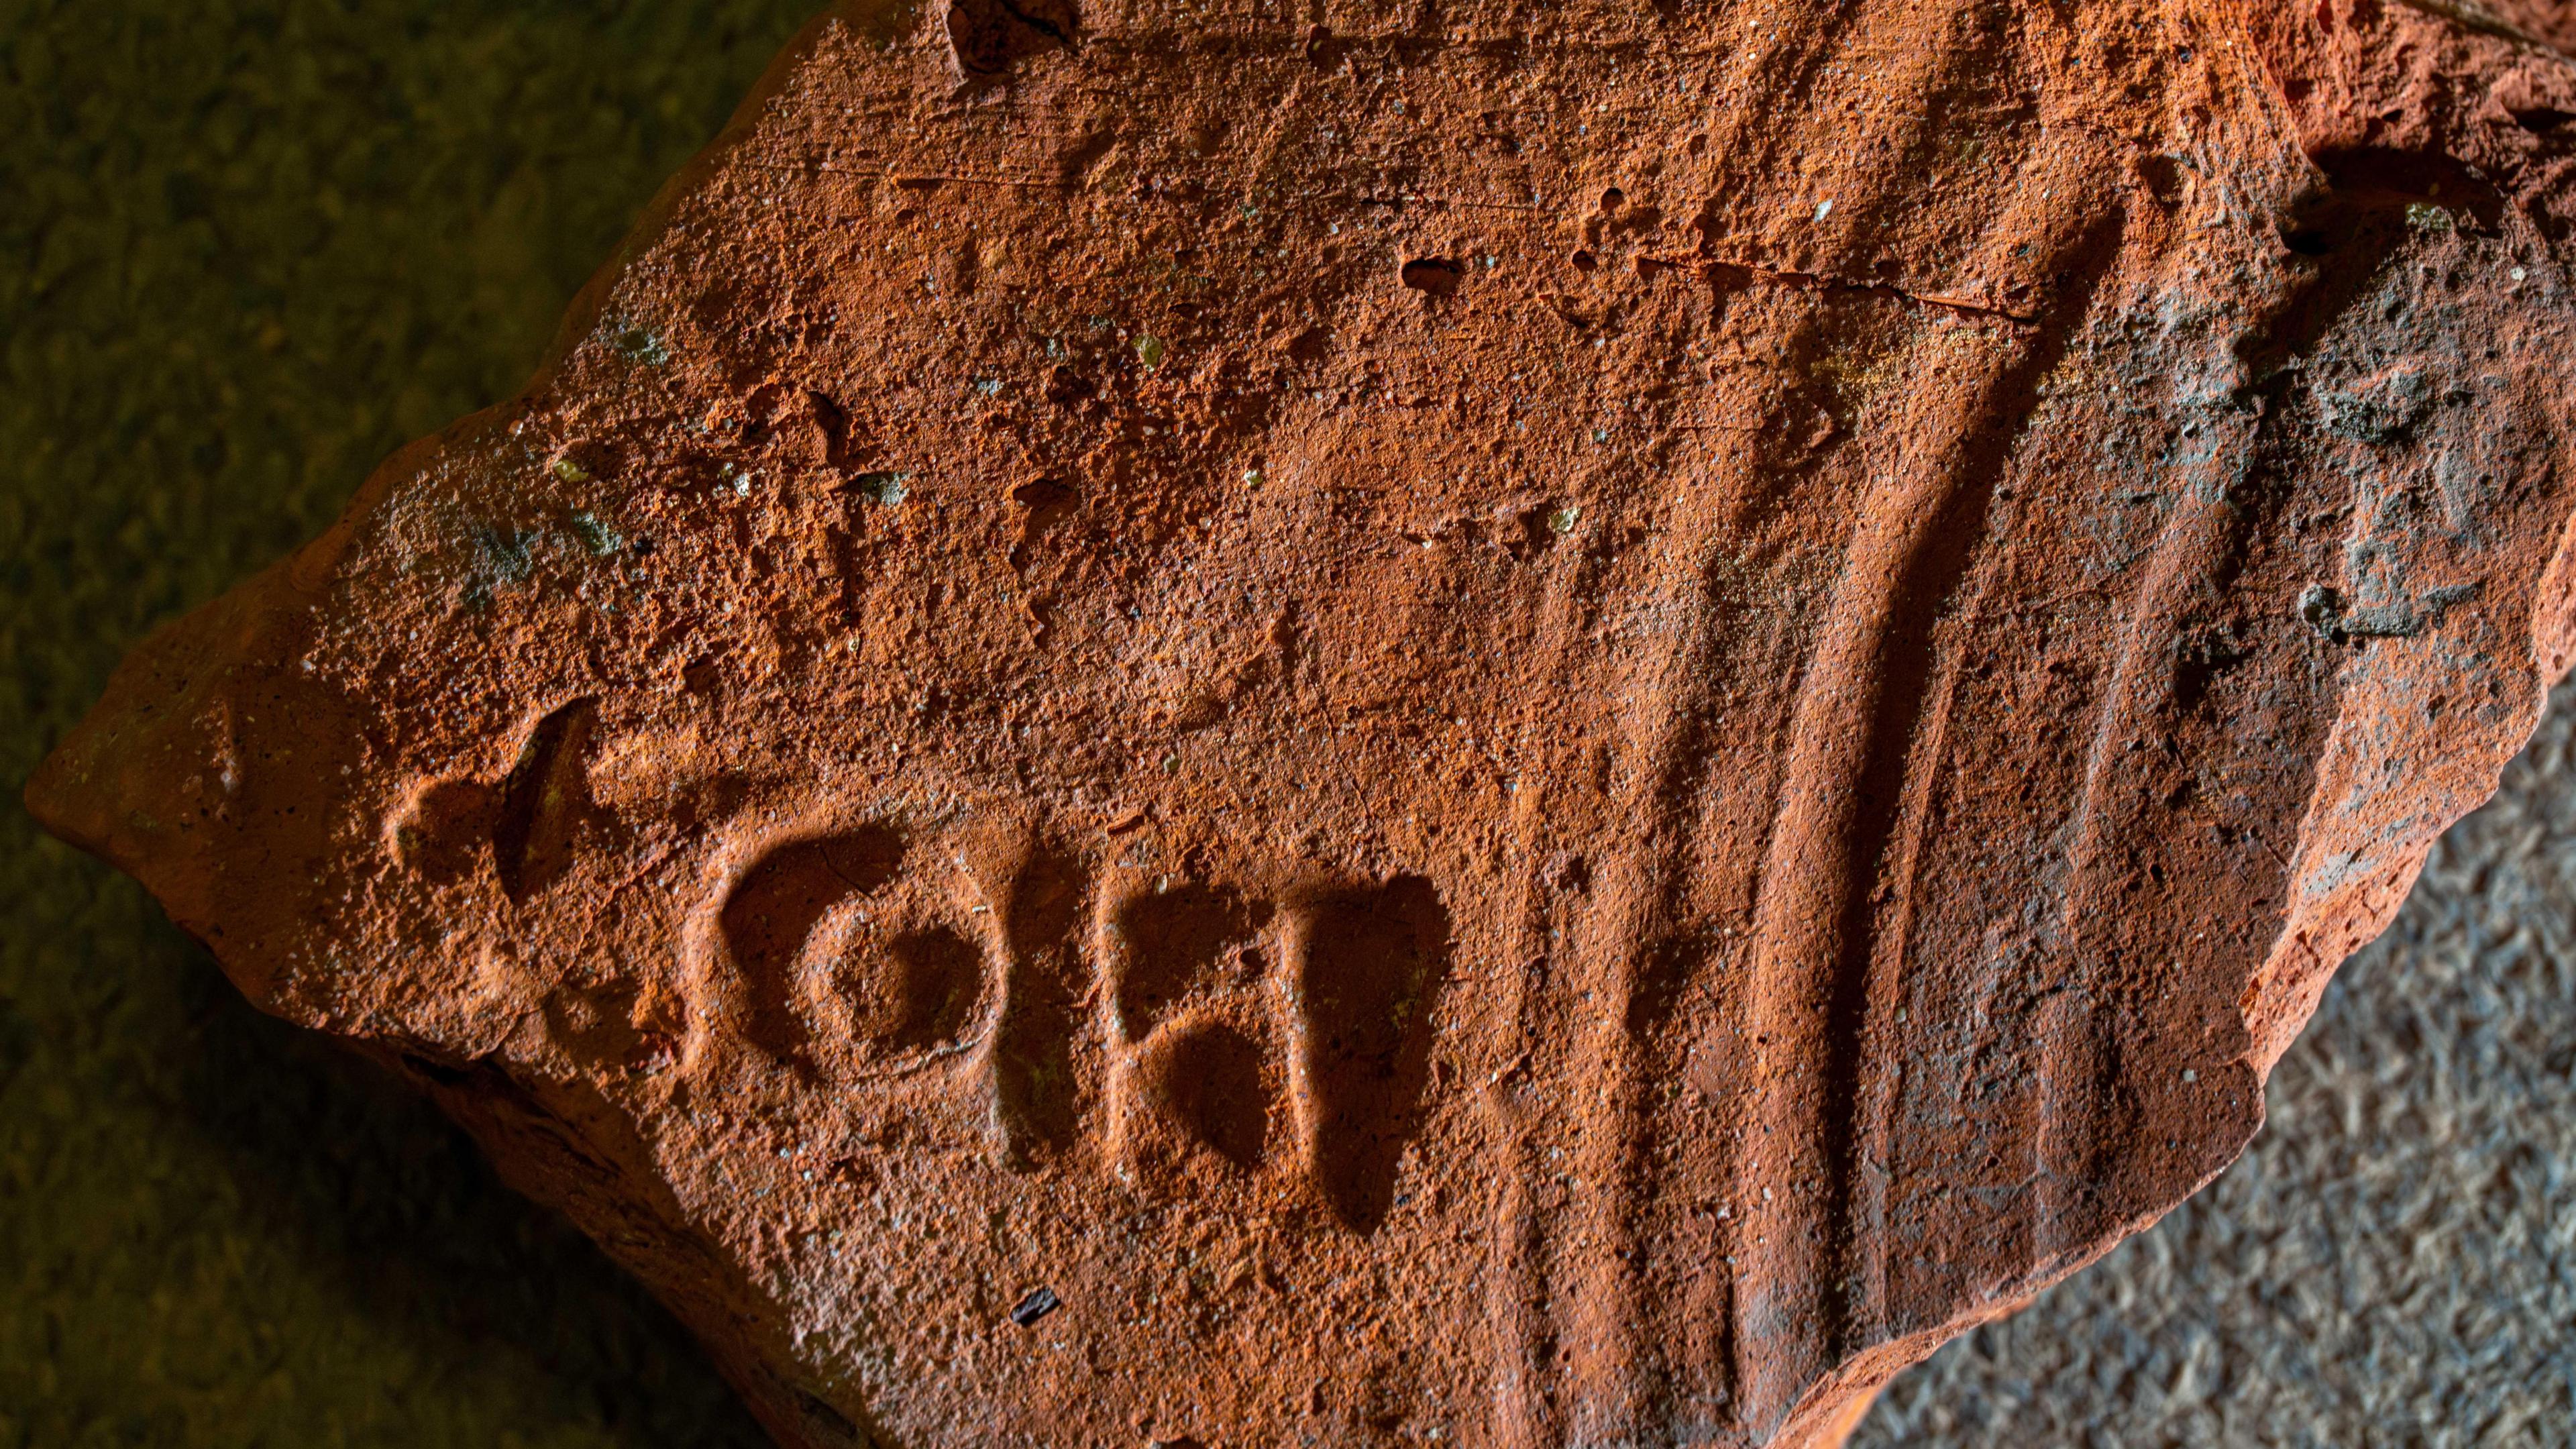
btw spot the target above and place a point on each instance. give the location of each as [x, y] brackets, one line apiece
[2389, 1263]
[1552, 727]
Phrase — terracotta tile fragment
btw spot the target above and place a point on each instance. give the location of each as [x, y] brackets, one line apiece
[1492, 723]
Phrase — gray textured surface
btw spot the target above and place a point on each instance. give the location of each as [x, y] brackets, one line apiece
[248, 247]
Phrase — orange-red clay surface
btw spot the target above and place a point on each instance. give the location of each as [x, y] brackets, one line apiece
[1512, 724]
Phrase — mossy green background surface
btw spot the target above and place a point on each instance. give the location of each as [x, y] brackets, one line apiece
[248, 248]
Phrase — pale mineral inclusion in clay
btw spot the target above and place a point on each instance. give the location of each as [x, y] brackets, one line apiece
[1516, 724]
